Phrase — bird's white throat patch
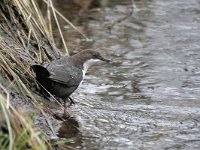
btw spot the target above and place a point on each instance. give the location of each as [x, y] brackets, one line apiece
[89, 63]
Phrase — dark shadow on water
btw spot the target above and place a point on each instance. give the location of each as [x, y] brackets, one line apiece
[70, 130]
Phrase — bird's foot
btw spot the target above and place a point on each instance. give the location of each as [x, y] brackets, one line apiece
[61, 116]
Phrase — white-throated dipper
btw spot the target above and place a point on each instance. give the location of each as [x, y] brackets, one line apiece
[61, 77]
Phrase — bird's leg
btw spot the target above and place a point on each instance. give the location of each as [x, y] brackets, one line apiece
[65, 111]
[71, 101]
[66, 114]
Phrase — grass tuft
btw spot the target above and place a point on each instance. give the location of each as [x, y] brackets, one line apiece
[25, 39]
[17, 129]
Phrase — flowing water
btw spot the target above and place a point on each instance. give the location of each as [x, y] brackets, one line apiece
[149, 96]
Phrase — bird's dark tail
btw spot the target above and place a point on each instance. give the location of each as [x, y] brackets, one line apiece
[40, 71]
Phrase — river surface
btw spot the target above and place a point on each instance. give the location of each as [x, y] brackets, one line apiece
[149, 96]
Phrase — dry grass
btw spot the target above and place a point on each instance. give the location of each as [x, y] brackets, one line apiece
[17, 128]
[25, 39]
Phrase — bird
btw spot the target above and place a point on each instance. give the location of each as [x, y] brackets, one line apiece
[61, 77]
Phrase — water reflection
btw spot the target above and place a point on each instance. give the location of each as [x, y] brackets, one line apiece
[148, 98]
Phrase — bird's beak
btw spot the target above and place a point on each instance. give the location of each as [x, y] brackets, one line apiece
[105, 59]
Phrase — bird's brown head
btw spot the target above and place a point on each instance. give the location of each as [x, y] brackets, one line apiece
[88, 56]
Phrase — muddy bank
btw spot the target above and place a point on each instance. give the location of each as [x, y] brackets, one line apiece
[25, 42]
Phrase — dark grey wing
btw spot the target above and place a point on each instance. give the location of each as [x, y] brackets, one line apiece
[64, 72]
